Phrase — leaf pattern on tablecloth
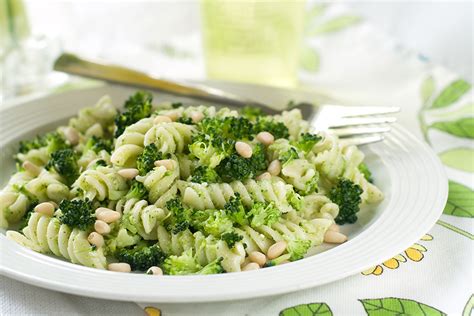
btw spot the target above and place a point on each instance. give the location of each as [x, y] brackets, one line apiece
[461, 158]
[414, 253]
[463, 127]
[460, 201]
[311, 309]
[392, 306]
[452, 93]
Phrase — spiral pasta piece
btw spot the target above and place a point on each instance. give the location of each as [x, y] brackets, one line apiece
[102, 113]
[39, 157]
[262, 237]
[141, 217]
[159, 180]
[100, 183]
[169, 137]
[14, 202]
[317, 205]
[47, 187]
[293, 119]
[47, 235]
[216, 195]
[302, 175]
[206, 249]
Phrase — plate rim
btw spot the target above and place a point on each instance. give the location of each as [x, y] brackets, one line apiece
[198, 297]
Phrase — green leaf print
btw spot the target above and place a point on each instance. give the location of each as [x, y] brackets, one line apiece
[427, 89]
[462, 111]
[459, 158]
[307, 310]
[391, 306]
[460, 201]
[309, 59]
[315, 12]
[463, 127]
[453, 92]
[335, 25]
[469, 308]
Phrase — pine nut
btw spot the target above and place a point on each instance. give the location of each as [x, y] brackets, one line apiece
[101, 227]
[264, 176]
[276, 249]
[119, 267]
[167, 163]
[31, 168]
[333, 237]
[96, 239]
[45, 208]
[155, 271]
[251, 266]
[258, 257]
[265, 138]
[162, 119]
[72, 135]
[243, 149]
[100, 210]
[108, 216]
[334, 228]
[129, 173]
[274, 167]
[197, 117]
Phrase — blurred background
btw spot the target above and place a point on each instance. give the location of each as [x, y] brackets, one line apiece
[165, 38]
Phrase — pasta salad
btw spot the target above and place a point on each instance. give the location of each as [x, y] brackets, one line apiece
[174, 189]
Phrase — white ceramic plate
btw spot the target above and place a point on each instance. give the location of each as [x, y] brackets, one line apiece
[406, 170]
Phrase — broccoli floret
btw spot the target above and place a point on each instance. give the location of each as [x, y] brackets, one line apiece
[216, 223]
[366, 172]
[251, 113]
[185, 120]
[236, 167]
[137, 191]
[295, 200]
[181, 216]
[64, 161]
[288, 156]
[231, 238]
[264, 214]
[297, 248]
[141, 257]
[346, 194]
[176, 105]
[77, 213]
[205, 174]
[307, 142]
[236, 211]
[186, 263]
[146, 160]
[277, 129]
[277, 261]
[53, 141]
[26, 217]
[258, 161]
[101, 163]
[98, 144]
[137, 107]
[213, 267]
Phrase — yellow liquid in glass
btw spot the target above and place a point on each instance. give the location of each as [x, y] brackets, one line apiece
[253, 41]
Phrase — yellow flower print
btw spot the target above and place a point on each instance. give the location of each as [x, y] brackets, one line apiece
[151, 311]
[414, 253]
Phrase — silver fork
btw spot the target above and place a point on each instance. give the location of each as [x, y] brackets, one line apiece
[357, 125]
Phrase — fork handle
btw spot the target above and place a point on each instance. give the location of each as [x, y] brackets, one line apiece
[75, 65]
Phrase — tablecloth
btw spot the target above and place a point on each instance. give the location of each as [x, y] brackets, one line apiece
[350, 60]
